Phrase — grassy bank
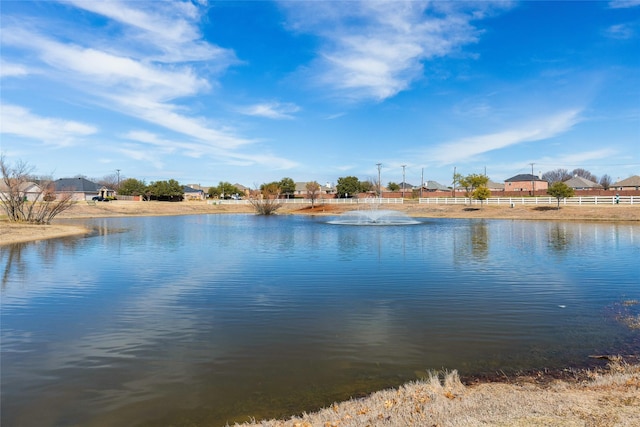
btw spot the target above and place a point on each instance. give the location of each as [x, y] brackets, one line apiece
[598, 397]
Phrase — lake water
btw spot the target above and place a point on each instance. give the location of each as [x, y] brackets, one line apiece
[203, 320]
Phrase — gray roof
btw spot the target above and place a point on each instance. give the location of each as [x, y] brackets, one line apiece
[433, 185]
[187, 189]
[632, 181]
[580, 182]
[76, 184]
[524, 177]
[495, 185]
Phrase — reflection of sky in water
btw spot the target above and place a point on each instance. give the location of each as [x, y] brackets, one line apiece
[178, 312]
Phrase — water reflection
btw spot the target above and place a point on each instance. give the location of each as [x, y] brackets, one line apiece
[15, 257]
[206, 319]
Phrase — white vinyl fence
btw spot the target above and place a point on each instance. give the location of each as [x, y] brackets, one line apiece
[505, 201]
[351, 201]
[512, 201]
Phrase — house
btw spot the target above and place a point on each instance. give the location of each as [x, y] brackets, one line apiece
[199, 187]
[496, 186]
[191, 193]
[631, 183]
[525, 183]
[301, 189]
[29, 190]
[580, 183]
[434, 186]
[82, 189]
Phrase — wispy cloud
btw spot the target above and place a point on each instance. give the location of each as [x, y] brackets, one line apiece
[144, 141]
[621, 31]
[8, 69]
[374, 50]
[621, 4]
[21, 122]
[580, 157]
[131, 78]
[535, 130]
[170, 28]
[271, 110]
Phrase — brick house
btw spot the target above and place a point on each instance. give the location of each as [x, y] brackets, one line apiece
[525, 184]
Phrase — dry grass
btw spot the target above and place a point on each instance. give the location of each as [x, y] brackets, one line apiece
[629, 313]
[603, 398]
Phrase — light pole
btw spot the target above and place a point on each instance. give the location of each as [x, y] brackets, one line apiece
[379, 188]
[403, 180]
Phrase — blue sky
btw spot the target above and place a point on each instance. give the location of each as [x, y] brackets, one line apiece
[254, 91]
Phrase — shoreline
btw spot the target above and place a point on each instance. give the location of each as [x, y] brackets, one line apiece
[23, 233]
[601, 396]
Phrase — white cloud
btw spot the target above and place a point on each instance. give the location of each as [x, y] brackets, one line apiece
[167, 116]
[579, 158]
[12, 70]
[535, 130]
[140, 89]
[169, 27]
[373, 50]
[99, 70]
[621, 31]
[271, 110]
[197, 149]
[622, 4]
[21, 122]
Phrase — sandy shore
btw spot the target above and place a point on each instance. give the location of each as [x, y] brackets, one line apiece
[16, 233]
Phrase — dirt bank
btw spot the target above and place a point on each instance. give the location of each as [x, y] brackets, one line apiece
[15, 233]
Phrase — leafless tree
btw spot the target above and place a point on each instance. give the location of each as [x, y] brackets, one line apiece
[111, 181]
[267, 200]
[605, 181]
[24, 201]
[556, 175]
[584, 174]
[313, 191]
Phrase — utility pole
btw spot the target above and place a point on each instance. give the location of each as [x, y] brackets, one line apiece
[118, 172]
[403, 180]
[379, 188]
[533, 181]
[421, 182]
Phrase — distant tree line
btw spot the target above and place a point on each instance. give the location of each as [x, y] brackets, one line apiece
[170, 190]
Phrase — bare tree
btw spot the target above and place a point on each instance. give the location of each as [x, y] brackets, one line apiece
[605, 181]
[313, 191]
[584, 174]
[25, 201]
[111, 181]
[556, 175]
[266, 201]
